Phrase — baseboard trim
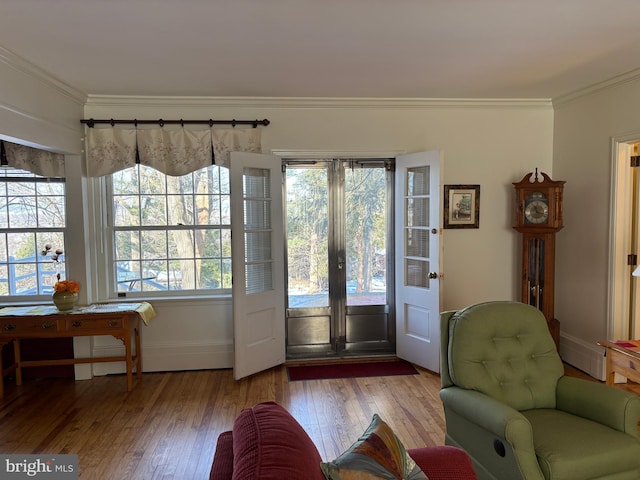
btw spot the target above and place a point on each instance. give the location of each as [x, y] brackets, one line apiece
[161, 358]
[169, 357]
[585, 356]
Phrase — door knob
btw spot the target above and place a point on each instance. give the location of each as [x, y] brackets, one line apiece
[433, 275]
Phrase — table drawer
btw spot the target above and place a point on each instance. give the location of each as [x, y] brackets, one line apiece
[88, 324]
[22, 326]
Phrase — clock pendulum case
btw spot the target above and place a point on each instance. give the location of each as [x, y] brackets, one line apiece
[538, 218]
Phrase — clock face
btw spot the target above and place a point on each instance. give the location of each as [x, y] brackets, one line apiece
[536, 211]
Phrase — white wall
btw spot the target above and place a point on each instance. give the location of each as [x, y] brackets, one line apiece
[584, 127]
[491, 143]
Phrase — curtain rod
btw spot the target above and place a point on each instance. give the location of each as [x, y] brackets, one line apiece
[91, 122]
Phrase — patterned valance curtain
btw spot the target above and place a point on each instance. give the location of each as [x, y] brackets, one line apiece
[34, 160]
[172, 152]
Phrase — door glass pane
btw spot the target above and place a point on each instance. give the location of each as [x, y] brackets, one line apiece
[365, 236]
[416, 227]
[417, 273]
[418, 181]
[257, 230]
[307, 237]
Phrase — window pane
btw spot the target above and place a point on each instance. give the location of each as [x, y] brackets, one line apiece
[180, 211]
[211, 274]
[153, 244]
[36, 206]
[126, 210]
[181, 243]
[151, 181]
[51, 211]
[307, 230]
[179, 234]
[153, 209]
[365, 236]
[4, 210]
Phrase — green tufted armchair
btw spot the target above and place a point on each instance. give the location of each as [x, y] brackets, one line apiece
[508, 403]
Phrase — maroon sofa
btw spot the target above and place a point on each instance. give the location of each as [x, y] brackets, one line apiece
[267, 443]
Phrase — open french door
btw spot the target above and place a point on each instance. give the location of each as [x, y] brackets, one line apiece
[417, 219]
[257, 250]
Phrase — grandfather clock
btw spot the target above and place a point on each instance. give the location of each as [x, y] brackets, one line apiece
[538, 219]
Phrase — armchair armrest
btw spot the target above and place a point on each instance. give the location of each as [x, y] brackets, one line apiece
[496, 417]
[494, 421]
[601, 403]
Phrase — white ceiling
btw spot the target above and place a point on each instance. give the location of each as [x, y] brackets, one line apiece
[326, 48]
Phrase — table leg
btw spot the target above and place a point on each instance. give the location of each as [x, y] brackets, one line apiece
[17, 355]
[128, 361]
[136, 331]
[610, 377]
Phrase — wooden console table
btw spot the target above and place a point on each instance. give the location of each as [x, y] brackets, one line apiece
[120, 320]
[623, 357]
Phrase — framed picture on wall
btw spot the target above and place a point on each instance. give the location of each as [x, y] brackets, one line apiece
[462, 206]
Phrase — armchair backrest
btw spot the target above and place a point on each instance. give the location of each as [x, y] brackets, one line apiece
[502, 349]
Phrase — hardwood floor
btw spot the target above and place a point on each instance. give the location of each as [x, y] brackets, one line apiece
[168, 425]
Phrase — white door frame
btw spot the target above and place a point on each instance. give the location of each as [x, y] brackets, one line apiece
[620, 315]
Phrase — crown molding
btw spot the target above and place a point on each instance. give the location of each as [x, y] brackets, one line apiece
[313, 102]
[27, 68]
[618, 80]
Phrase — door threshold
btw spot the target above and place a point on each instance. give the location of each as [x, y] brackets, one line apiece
[334, 360]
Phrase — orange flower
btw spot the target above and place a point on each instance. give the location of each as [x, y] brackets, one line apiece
[68, 286]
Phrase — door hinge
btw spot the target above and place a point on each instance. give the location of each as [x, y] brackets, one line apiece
[632, 259]
[635, 160]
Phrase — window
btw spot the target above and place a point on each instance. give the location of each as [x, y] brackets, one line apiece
[32, 216]
[170, 233]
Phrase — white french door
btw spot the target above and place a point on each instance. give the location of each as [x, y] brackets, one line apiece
[417, 219]
[258, 261]
[257, 249]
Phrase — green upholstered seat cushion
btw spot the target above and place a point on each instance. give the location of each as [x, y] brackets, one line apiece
[505, 350]
[573, 448]
[378, 454]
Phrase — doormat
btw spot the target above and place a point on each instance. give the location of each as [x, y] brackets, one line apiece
[350, 370]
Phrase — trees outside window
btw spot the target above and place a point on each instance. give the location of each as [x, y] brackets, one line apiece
[171, 233]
